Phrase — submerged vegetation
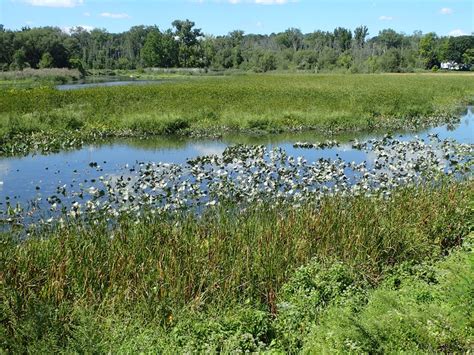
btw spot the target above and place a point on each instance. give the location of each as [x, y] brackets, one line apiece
[216, 105]
[245, 176]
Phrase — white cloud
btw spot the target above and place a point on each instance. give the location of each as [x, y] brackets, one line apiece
[87, 14]
[68, 29]
[209, 149]
[114, 15]
[457, 32]
[385, 18]
[446, 11]
[271, 2]
[55, 3]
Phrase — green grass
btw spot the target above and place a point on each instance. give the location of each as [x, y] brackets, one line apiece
[418, 309]
[36, 77]
[228, 280]
[245, 102]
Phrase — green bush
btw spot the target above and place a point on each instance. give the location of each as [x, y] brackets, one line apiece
[418, 309]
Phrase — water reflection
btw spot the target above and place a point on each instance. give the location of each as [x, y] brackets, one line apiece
[123, 82]
[23, 179]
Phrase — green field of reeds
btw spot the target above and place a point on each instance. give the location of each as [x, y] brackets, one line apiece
[360, 274]
[245, 103]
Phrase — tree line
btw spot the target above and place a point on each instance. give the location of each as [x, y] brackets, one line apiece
[185, 46]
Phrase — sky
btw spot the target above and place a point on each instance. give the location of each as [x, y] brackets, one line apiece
[218, 17]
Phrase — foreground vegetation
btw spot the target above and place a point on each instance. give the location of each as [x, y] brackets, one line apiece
[355, 273]
[46, 119]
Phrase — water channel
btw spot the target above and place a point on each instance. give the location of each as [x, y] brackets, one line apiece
[35, 177]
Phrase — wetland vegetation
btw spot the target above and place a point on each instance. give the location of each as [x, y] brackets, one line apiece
[328, 244]
[45, 119]
[284, 279]
[283, 255]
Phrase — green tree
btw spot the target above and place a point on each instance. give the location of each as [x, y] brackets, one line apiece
[360, 34]
[291, 38]
[76, 63]
[19, 59]
[390, 39]
[209, 52]
[373, 64]
[264, 61]
[170, 47]
[46, 60]
[183, 45]
[344, 61]
[152, 50]
[468, 57]
[306, 59]
[188, 39]
[429, 50]
[454, 48]
[133, 42]
[236, 37]
[37, 41]
[327, 59]
[6, 46]
[318, 40]
[390, 61]
[124, 63]
[342, 39]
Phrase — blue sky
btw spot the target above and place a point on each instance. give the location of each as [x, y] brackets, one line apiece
[253, 16]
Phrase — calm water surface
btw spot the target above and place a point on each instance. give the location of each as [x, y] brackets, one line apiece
[120, 82]
[25, 178]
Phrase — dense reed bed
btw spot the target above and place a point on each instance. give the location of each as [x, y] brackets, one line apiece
[213, 105]
[36, 77]
[229, 280]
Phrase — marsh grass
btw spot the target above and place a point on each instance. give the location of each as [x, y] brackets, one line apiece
[245, 102]
[62, 286]
[45, 76]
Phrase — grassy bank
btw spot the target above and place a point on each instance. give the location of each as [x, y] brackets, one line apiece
[213, 105]
[228, 280]
[37, 77]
